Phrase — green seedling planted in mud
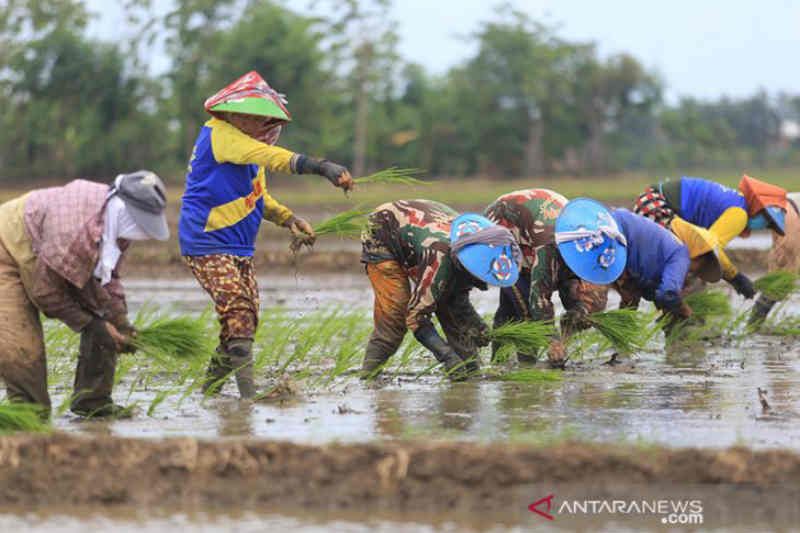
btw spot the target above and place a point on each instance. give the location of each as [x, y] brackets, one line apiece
[394, 175]
[347, 224]
[627, 330]
[527, 337]
[533, 375]
[777, 285]
[21, 417]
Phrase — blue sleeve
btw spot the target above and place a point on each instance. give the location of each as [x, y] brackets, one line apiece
[674, 274]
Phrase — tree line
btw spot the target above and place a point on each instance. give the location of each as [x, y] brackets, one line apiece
[527, 102]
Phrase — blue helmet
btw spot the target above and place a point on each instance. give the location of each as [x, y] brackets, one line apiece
[494, 264]
[770, 216]
[590, 241]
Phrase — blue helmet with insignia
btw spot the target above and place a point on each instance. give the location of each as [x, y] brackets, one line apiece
[590, 241]
[486, 250]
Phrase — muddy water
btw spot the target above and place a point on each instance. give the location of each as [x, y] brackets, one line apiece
[706, 397]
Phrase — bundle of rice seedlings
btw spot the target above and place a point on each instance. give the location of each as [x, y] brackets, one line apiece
[533, 375]
[777, 285]
[709, 305]
[183, 337]
[527, 337]
[785, 326]
[346, 224]
[394, 175]
[627, 330]
[21, 417]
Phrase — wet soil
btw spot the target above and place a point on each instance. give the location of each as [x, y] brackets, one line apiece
[443, 479]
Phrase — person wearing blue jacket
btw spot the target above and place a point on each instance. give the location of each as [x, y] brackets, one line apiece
[725, 212]
[634, 254]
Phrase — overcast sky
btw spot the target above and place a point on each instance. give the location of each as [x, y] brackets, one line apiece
[703, 48]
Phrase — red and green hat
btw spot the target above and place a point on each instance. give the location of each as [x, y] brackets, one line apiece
[249, 95]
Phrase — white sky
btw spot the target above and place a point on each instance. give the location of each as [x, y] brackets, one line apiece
[703, 48]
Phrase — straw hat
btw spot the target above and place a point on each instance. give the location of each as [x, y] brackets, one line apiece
[702, 244]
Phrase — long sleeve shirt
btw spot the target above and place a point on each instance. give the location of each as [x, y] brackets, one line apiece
[531, 215]
[54, 236]
[657, 261]
[704, 203]
[416, 234]
[226, 191]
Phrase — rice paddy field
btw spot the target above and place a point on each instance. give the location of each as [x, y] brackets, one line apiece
[712, 416]
[734, 392]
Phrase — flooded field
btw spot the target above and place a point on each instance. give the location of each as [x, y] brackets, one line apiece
[703, 396]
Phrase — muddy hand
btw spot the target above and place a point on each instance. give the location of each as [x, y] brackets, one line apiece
[120, 340]
[302, 233]
[346, 182]
[557, 354]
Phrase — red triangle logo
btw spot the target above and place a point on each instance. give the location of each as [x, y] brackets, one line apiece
[534, 507]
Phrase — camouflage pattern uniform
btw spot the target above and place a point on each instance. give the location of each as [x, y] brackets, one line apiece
[531, 216]
[231, 282]
[406, 249]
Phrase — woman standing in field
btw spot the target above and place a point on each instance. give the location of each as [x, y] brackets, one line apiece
[531, 216]
[59, 254]
[423, 258]
[225, 200]
[640, 258]
[725, 212]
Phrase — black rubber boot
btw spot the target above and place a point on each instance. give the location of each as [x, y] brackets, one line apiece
[94, 376]
[219, 368]
[374, 360]
[240, 353]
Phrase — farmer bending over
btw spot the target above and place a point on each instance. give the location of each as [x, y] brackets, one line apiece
[640, 258]
[423, 258]
[59, 253]
[725, 212]
[225, 199]
[784, 255]
[531, 216]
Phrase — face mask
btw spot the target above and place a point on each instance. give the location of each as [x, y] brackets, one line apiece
[758, 222]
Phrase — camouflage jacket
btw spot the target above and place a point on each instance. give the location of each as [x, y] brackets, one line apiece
[416, 234]
[531, 216]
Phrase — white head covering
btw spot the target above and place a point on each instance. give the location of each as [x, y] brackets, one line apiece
[119, 224]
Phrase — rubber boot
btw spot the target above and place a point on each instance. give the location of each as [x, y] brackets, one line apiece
[94, 375]
[760, 311]
[240, 353]
[455, 367]
[218, 370]
[374, 359]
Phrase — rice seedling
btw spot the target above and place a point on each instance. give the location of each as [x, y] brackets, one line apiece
[394, 175]
[709, 305]
[21, 417]
[528, 337]
[627, 330]
[533, 375]
[777, 285]
[347, 224]
[182, 336]
[785, 326]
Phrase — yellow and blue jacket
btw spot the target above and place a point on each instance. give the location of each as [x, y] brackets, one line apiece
[226, 191]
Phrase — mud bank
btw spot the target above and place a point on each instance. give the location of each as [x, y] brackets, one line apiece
[61, 469]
